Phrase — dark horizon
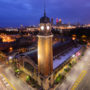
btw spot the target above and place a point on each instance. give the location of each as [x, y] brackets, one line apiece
[28, 12]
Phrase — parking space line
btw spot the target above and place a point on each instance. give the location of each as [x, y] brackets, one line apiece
[81, 76]
[8, 82]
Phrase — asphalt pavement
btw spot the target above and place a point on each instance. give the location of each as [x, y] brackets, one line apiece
[14, 82]
[79, 76]
[85, 83]
[77, 79]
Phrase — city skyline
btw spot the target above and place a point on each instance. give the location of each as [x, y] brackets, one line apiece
[28, 12]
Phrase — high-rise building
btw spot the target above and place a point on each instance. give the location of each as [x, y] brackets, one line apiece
[57, 21]
[60, 21]
[45, 51]
[51, 21]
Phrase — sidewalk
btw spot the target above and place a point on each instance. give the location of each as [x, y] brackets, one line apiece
[23, 78]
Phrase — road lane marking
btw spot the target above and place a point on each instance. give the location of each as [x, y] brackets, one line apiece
[81, 76]
[8, 82]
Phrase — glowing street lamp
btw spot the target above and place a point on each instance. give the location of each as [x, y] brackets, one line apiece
[10, 57]
[73, 56]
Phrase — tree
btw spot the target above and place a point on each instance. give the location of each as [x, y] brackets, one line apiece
[58, 79]
[27, 78]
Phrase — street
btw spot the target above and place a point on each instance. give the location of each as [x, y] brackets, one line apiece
[79, 76]
[77, 79]
[11, 81]
[85, 83]
[14, 82]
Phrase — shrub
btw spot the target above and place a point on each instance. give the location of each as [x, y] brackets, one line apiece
[70, 65]
[27, 78]
[58, 79]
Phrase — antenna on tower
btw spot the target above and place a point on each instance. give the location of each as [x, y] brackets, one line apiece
[44, 7]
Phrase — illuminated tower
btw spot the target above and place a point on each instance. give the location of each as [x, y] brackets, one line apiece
[45, 53]
[57, 21]
[60, 21]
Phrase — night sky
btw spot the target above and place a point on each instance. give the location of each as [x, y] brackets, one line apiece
[13, 13]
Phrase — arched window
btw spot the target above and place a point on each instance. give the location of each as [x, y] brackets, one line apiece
[28, 66]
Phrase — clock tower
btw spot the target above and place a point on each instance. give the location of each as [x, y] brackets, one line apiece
[45, 52]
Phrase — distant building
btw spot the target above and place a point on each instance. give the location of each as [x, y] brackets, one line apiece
[52, 21]
[29, 29]
[60, 21]
[11, 29]
[32, 28]
[64, 26]
[86, 25]
[57, 21]
[21, 26]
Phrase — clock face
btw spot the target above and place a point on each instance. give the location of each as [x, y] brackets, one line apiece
[42, 27]
[48, 27]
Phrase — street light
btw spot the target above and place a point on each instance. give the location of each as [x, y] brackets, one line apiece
[73, 56]
[10, 57]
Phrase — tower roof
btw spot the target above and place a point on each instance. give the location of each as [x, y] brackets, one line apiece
[44, 19]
